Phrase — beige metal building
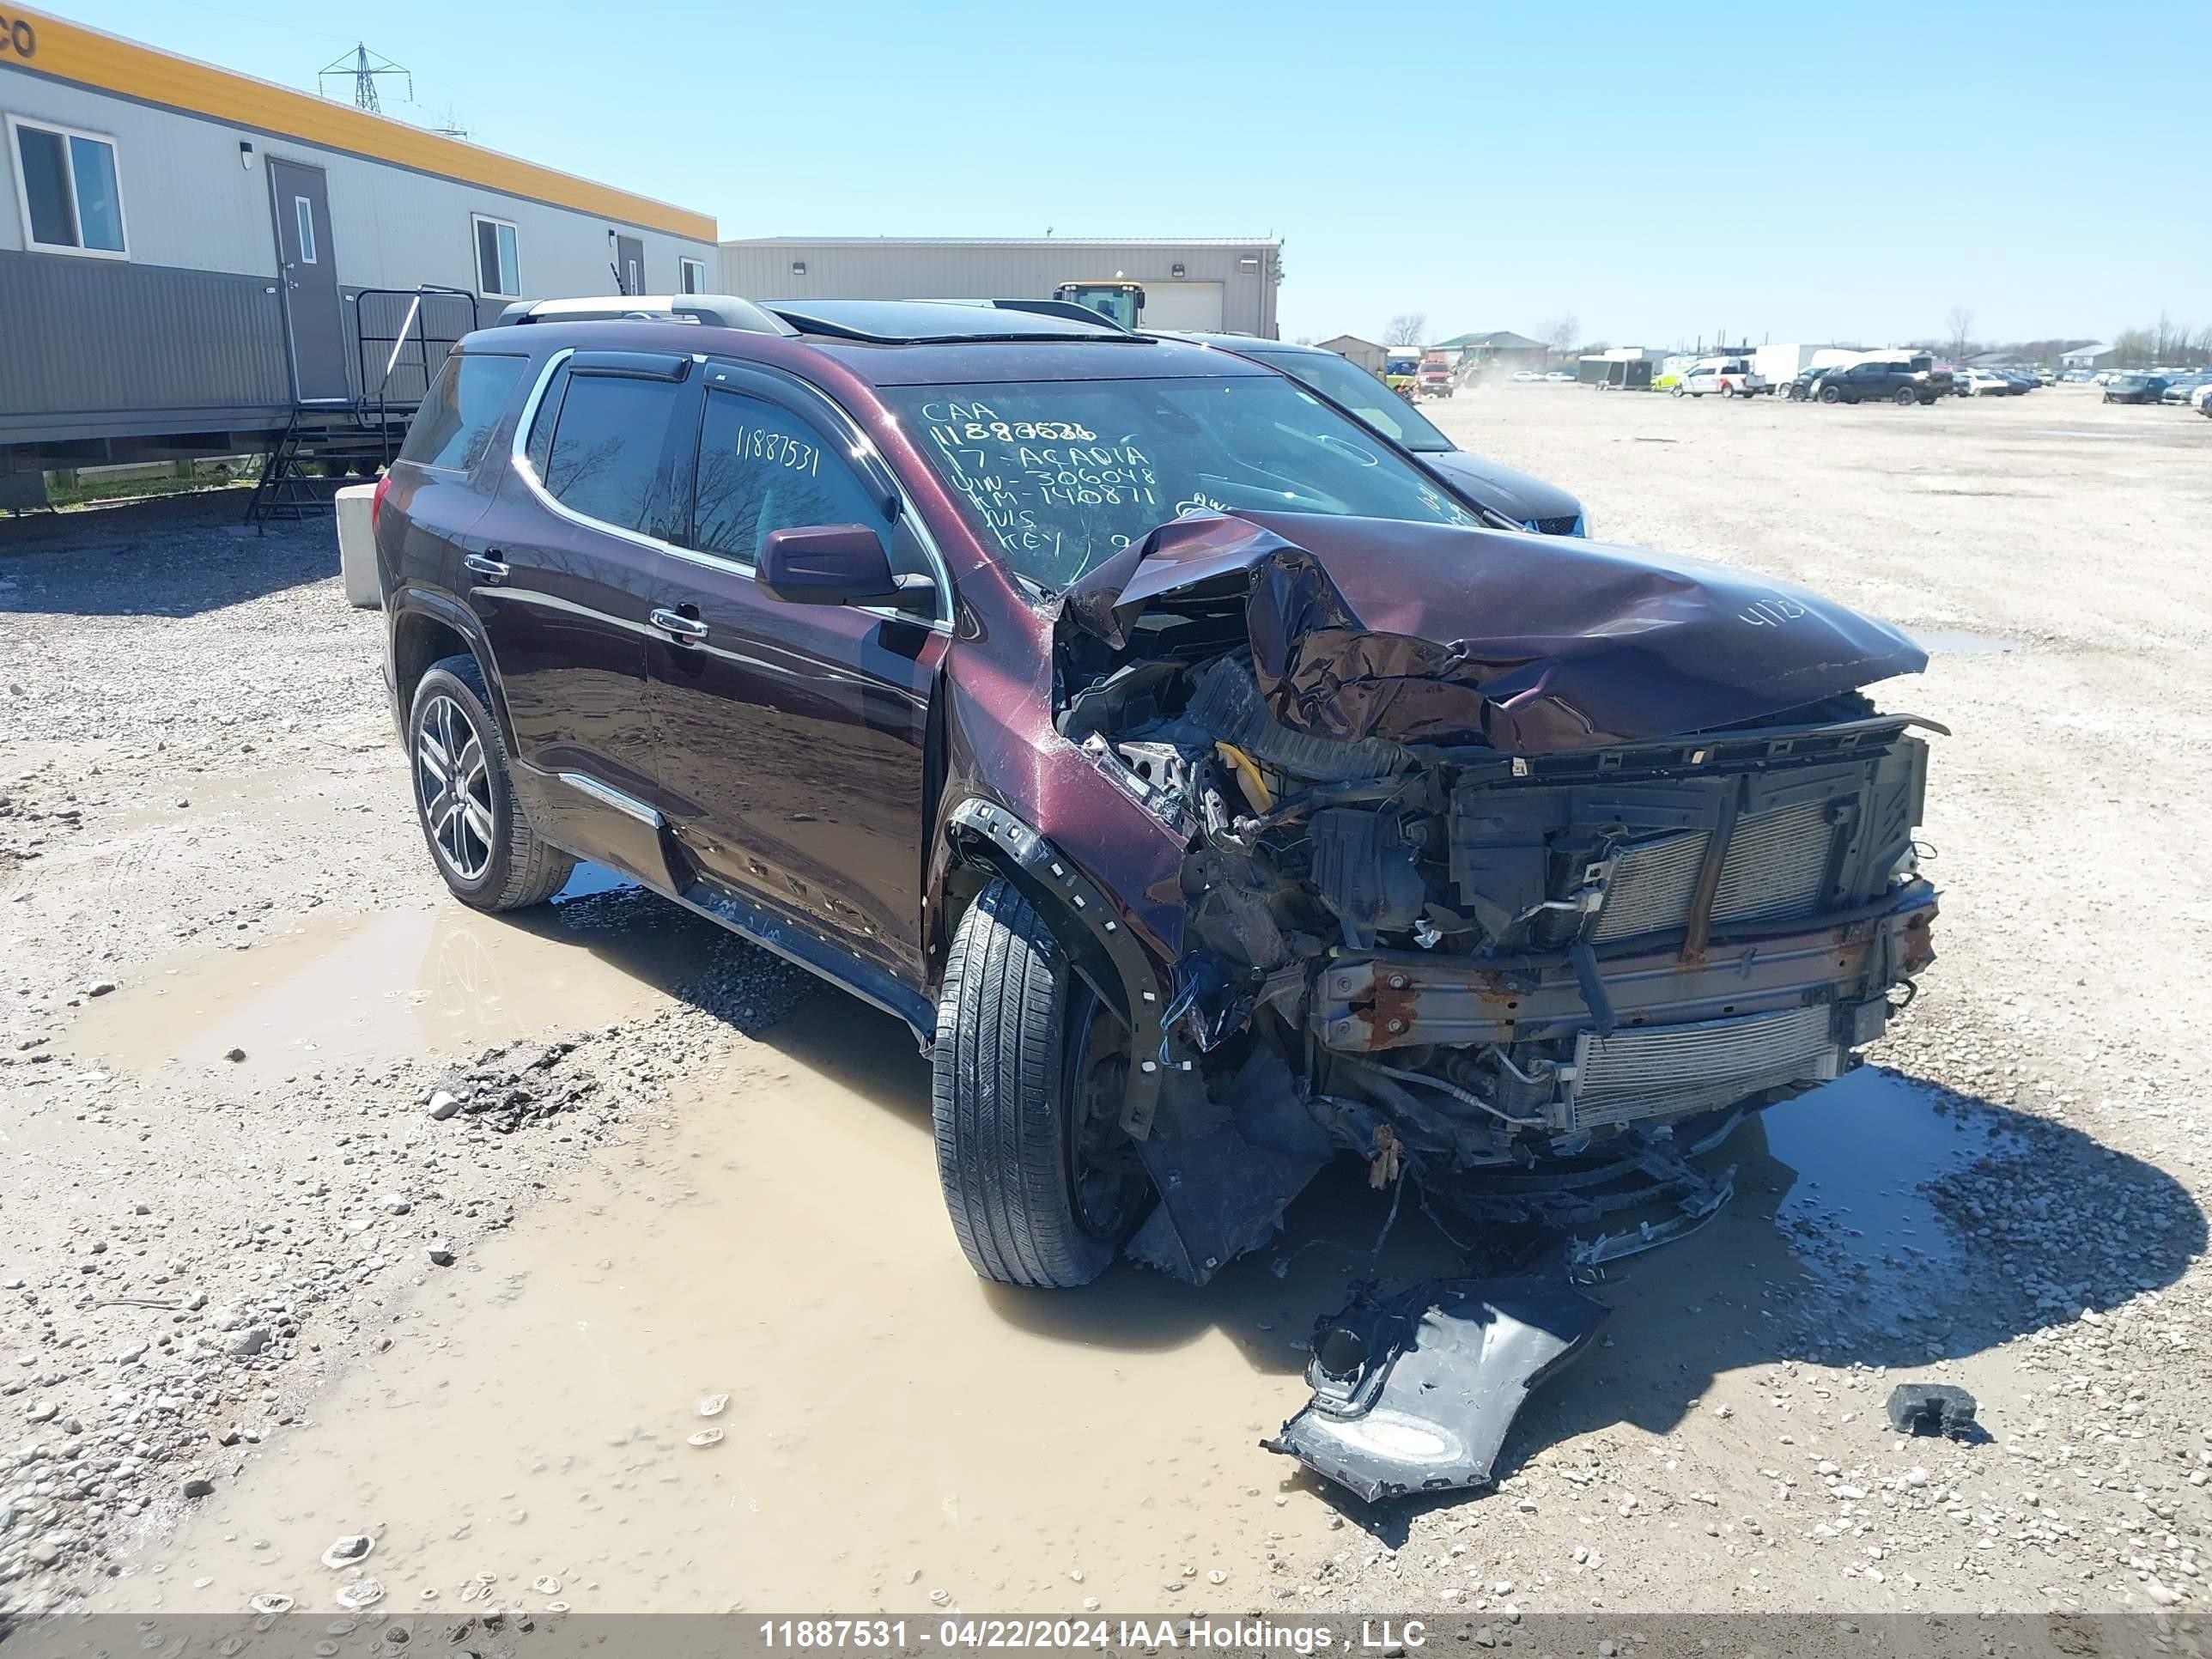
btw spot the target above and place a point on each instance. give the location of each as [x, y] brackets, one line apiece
[1214, 282]
[1365, 352]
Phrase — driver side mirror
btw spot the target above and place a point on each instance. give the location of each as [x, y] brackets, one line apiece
[838, 564]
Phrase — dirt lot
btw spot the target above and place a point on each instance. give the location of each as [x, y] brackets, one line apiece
[328, 1208]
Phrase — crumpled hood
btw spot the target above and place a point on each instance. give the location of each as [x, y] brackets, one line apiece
[1417, 633]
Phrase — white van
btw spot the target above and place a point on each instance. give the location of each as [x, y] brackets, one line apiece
[1730, 377]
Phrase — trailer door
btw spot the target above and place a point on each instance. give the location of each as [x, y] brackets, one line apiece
[629, 264]
[314, 315]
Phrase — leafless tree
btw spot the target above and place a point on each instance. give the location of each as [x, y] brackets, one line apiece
[1406, 329]
[1563, 333]
[1959, 330]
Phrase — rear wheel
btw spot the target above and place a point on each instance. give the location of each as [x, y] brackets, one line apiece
[1830, 395]
[482, 844]
[1026, 1083]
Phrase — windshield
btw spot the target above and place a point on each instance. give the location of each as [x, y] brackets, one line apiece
[1058, 475]
[1346, 383]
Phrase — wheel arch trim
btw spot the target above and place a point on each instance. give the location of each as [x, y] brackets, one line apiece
[1086, 924]
[412, 601]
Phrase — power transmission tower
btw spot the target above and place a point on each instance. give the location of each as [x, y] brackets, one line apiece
[365, 66]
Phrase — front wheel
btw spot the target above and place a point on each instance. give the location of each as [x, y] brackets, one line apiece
[1027, 1077]
[1906, 396]
[1680, 392]
[480, 841]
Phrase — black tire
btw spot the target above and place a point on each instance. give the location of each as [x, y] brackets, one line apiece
[1906, 396]
[518, 869]
[1014, 1026]
[1830, 395]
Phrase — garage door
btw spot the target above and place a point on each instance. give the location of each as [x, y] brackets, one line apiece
[1183, 305]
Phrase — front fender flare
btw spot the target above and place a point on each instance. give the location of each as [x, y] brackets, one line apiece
[1086, 924]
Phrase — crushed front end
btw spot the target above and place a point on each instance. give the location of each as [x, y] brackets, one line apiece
[1423, 927]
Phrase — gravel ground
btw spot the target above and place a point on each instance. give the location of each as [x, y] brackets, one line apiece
[196, 758]
[197, 753]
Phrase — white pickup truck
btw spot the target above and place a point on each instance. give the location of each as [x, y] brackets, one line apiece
[1730, 377]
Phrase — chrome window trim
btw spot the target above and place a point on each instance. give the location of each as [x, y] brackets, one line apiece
[519, 458]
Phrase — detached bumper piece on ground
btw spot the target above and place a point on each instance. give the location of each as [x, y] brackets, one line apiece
[1415, 1394]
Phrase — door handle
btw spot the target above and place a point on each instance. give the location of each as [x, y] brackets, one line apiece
[491, 569]
[684, 629]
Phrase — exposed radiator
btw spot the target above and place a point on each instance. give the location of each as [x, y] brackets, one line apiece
[1776, 865]
[1666, 1070]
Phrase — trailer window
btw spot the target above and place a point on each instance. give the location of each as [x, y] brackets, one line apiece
[499, 275]
[69, 189]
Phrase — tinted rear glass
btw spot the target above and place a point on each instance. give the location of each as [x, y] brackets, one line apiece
[607, 444]
[456, 419]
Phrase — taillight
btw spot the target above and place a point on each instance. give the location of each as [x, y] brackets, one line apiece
[376, 502]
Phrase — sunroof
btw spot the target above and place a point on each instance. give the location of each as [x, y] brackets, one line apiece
[902, 321]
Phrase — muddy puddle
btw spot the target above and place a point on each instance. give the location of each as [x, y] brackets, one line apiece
[895, 1431]
[337, 987]
[898, 1435]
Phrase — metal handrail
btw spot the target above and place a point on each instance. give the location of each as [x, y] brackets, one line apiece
[413, 325]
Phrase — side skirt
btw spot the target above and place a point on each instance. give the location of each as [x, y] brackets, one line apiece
[588, 820]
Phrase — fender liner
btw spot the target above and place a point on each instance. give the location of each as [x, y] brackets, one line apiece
[1086, 926]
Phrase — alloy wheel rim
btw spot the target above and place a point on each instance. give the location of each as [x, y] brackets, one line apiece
[453, 780]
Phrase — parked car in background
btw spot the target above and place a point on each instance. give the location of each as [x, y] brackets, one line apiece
[2201, 399]
[1982, 383]
[1526, 375]
[1799, 387]
[2135, 388]
[1561, 377]
[2182, 388]
[1529, 502]
[1884, 380]
[1724, 377]
[1435, 377]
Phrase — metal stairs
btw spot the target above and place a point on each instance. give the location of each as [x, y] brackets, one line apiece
[402, 337]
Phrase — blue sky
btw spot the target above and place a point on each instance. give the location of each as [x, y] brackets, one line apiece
[1782, 171]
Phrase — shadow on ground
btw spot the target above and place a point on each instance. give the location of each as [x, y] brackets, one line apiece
[1881, 1220]
[174, 556]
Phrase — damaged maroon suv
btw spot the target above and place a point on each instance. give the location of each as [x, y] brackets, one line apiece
[1210, 789]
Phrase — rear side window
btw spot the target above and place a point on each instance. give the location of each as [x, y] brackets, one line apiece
[762, 468]
[608, 442]
[456, 419]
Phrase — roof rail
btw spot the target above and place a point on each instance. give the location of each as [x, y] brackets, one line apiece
[713, 310]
